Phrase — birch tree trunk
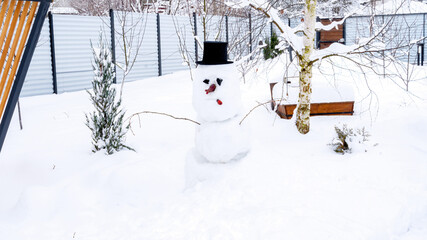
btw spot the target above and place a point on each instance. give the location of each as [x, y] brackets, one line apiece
[303, 108]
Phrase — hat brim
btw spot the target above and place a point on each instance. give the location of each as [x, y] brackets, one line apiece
[213, 63]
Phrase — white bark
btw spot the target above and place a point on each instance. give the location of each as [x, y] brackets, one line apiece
[303, 108]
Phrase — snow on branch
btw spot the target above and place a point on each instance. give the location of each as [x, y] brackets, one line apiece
[289, 35]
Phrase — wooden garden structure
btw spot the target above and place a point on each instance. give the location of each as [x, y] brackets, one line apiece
[21, 22]
[335, 35]
[331, 107]
[318, 109]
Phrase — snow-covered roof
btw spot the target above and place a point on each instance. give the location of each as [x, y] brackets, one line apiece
[395, 7]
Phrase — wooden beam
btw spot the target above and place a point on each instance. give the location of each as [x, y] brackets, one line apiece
[19, 54]
[318, 109]
[15, 35]
[4, 6]
[4, 31]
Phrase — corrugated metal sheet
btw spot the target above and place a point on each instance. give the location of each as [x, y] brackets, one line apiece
[73, 35]
[260, 30]
[172, 60]
[39, 77]
[401, 31]
[356, 28]
[405, 28]
[215, 28]
[141, 45]
[238, 31]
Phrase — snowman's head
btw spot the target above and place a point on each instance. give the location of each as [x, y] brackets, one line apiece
[216, 92]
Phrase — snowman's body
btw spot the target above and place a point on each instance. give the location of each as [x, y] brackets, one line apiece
[217, 100]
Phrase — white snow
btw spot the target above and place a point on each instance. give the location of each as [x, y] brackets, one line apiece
[289, 186]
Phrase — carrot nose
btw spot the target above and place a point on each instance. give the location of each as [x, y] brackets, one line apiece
[211, 88]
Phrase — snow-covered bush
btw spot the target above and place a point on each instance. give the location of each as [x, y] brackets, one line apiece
[106, 122]
[347, 137]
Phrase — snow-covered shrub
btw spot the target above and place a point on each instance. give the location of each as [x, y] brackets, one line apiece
[347, 137]
[270, 50]
[106, 122]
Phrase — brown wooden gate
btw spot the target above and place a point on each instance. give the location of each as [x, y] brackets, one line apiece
[326, 38]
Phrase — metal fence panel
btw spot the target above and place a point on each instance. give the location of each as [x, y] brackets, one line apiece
[260, 30]
[215, 29]
[73, 35]
[141, 45]
[176, 33]
[294, 22]
[400, 31]
[356, 28]
[238, 31]
[404, 30]
[39, 76]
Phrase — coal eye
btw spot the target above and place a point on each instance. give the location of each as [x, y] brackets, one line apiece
[206, 81]
[219, 81]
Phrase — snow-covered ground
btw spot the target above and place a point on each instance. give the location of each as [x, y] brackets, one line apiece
[289, 186]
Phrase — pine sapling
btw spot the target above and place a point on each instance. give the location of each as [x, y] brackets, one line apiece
[270, 50]
[106, 121]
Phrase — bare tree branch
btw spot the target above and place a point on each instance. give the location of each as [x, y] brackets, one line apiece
[156, 113]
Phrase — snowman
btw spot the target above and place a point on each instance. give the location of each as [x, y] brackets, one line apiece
[220, 138]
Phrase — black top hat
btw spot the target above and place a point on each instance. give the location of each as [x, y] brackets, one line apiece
[214, 53]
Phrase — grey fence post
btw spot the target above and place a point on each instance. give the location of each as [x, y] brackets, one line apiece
[159, 48]
[271, 30]
[195, 35]
[52, 53]
[343, 32]
[290, 48]
[113, 44]
[317, 44]
[226, 28]
[420, 54]
[424, 27]
[250, 33]
[424, 35]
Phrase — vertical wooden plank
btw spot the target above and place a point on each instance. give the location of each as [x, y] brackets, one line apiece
[6, 45]
[21, 47]
[5, 30]
[4, 6]
[15, 42]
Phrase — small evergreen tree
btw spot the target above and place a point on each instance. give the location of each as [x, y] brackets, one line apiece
[106, 122]
[270, 51]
